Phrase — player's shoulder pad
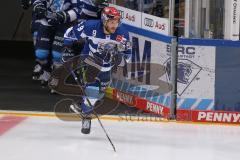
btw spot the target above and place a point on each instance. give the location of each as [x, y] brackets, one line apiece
[92, 24]
[122, 30]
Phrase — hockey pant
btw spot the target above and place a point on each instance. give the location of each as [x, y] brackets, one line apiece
[49, 45]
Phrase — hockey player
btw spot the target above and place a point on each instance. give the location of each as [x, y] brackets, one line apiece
[106, 44]
[26, 4]
[91, 9]
[56, 16]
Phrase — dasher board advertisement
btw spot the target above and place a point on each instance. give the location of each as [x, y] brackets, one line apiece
[155, 24]
[232, 19]
[129, 16]
[143, 20]
[149, 73]
[196, 77]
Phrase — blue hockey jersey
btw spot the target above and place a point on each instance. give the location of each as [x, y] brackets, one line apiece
[89, 8]
[73, 7]
[93, 31]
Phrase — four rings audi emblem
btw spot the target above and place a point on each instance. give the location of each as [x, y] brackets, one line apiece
[121, 14]
[148, 22]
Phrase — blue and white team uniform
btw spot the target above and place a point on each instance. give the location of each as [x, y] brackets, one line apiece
[106, 46]
[92, 31]
[91, 10]
[34, 25]
[92, 55]
[55, 17]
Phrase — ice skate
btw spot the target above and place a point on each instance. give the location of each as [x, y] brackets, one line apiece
[86, 125]
[37, 71]
[85, 113]
[44, 77]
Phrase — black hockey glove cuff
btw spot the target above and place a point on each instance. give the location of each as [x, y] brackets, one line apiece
[59, 18]
[78, 46]
[25, 4]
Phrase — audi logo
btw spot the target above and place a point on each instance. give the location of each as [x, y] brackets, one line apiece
[148, 22]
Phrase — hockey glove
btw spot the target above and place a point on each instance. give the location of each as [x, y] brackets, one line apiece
[78, 46]
[40, 11]
[25, 4]
[107, 51]
[59, 18]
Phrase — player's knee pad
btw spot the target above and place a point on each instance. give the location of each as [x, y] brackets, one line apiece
[93, 94]
[56, 56]
[56, 59]
[41, 54]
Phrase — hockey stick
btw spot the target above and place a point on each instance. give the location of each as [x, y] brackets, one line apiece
[17, 26]
[84, 93]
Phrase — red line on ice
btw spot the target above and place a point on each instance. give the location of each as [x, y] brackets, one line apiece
[9, 122]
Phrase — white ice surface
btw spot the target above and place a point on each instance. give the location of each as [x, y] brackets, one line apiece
[39, 138]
